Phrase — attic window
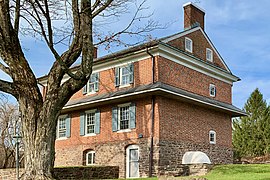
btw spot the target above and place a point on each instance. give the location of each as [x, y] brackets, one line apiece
[212, 90]
[188, 44]
[209, 55]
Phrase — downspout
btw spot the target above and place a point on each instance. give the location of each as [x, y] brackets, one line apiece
[152, 118]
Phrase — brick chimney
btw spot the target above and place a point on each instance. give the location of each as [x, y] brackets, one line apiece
[193, 16]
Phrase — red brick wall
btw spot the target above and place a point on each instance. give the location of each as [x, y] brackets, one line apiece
[190, 80]
[199, 47]
[193, 15]
[142, 75]
[143, 126]
[190, 123]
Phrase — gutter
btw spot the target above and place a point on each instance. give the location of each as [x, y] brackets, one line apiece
[152, 117]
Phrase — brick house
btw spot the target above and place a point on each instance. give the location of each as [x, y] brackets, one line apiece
[145, 106]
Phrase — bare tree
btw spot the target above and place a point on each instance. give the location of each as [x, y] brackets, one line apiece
[82, 20]
[9, 126]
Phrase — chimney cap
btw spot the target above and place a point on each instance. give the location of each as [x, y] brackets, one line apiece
[190, 3]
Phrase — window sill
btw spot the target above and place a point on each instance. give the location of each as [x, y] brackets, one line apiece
[90, 93]
[62, 138]
[124, 131]
[88, 135]
[213, 143]
[123, 86]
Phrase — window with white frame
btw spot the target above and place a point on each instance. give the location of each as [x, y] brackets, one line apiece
[212, 90]
[63, 127]
[124, 75]
[123, 117]
[90, 158]
[209, 55]
[90, 123]
[188, 44]
[212, 137]
[92, 85]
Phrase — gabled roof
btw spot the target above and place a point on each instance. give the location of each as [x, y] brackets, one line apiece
[183, 33]
[154, 89]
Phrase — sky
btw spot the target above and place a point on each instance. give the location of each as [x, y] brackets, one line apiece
[239, 29]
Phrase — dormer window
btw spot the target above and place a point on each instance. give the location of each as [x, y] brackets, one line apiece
[209, 55]
[188, 44]
[212, 90]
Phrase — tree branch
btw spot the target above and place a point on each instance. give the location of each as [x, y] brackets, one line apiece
[17, 17]
[8, 87]
[102, 8]
[5, 69]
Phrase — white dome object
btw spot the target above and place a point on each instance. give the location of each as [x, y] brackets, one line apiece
[195, 157]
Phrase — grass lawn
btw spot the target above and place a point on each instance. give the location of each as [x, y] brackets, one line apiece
[240, 172]
[233, 172]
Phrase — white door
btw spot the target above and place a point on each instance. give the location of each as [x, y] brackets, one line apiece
[132, 161]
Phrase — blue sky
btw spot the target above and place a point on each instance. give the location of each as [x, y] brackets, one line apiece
[238, 28]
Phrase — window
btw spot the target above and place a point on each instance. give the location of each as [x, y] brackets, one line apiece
[92, 85]
[124, 75]
[123, 117]
[188, 44]
[63, 127]
[90, 122]
[212, 90]
[212, 137]
[209, 55]
[90, 158]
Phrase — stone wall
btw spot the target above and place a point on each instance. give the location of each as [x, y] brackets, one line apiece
[171, 154]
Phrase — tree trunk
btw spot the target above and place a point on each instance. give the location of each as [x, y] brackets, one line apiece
[39, 140]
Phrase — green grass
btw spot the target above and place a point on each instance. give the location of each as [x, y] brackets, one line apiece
[240, 172]
[233, 172]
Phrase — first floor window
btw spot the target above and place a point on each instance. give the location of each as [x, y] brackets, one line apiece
[63, 126]
[212, 137]
[124, 117]
[90, 122]
[90, 158]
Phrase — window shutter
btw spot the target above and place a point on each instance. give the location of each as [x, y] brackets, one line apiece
[85, 89]
[131, 73]
[117, 78]
[68, 126]
[82, 124]
[97, 122]
[132, 113]
[96, 85]
[114, 119]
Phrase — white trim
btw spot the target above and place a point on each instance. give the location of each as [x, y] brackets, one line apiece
[148, 91]
[85, 122]
[188, 3]
[124, 131]
[119, 116]
[64, 116]
[127, 159]
[215, 139]
[211, 55]
[188, 40]
[206, 37]
[86, 156]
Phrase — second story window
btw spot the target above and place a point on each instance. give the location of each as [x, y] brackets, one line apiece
[92, 85]
[212, 90]
[124, 76]
[90, 122]
[124, 117]
[63, 127]
[188, 45]
[209, 55]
